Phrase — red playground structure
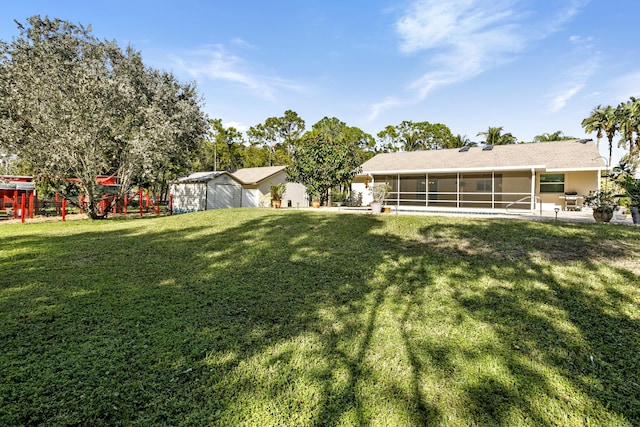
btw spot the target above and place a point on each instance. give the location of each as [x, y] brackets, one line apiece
[17, 196]
[18, 199]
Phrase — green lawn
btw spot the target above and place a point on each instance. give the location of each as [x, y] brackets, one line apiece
[263, 317]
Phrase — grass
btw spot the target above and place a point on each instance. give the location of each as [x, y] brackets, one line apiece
[263, 317]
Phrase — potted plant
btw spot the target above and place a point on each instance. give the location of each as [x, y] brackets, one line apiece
[631, 186]
[379, 193]
[603, 204]
[277, 191]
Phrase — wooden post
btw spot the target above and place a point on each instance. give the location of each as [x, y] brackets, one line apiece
[124, 204]
[64, 209]
[31, 202]
[140, 199]
[115, 204]
[23, 205]
[170, 204]
[15, 204]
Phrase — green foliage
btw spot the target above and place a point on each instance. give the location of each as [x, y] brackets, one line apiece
[631, 186]
[328, 156]
[262, 317]
[277, 190]
[554, 136]
[75, 106]
[494, 136]
[601, 199]
[415, 136]
[379, 191]
[278, 136]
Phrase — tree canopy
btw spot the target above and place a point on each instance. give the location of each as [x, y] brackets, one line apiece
[416, 136]
[73, 106]
[328, 156]
[623, 120]
[278, 135]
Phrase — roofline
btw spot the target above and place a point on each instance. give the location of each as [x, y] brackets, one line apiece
[590, 168]
[263, 179]
[449, 170]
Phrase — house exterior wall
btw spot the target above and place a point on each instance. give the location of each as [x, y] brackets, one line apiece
[189, 197]
[294, 196]
[581, 182]
[484, 190]
[250, 198]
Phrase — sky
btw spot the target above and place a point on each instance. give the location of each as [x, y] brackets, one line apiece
[530, 66]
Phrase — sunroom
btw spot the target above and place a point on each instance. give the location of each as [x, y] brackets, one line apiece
[519, 177]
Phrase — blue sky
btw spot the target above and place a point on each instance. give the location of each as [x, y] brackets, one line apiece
[531, 66]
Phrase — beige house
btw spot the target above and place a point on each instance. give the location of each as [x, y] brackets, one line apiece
[248, 187]
[531, 176]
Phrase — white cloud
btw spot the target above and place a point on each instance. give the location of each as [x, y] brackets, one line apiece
[236, 125]
[625, 86]
[377, 108]
[575, 80]
[464, 38]
[216, 63]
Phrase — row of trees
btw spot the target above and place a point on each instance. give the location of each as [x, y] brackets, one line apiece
[623, 120]
[75, 106]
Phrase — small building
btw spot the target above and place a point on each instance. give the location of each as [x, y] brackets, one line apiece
[516, 176]
[13, 190]
[248, 187]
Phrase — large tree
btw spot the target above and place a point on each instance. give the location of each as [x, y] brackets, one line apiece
[228, 146]
[328, 156]
[416, 136]
[278, 135]
[73, 106]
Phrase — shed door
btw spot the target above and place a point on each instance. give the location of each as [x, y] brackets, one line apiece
[226, 196]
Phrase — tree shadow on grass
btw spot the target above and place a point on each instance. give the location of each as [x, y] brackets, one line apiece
[560, 346]
[299, 318]
[197, 322]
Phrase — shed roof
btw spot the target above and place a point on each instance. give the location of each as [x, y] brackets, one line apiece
[550, 156]
[199, 177]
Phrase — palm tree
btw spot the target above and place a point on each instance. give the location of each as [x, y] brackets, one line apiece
[595, 123]
[603, 120]
[494, 136]
[628, 115]
[460, 141]
[555, 136]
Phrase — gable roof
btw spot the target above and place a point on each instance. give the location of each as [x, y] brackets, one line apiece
[256, 175]
[550, 156]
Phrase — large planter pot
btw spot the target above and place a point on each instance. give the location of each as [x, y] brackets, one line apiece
[635, 214]
[376, 207]
[315, 204]
[276, 203]
[602, 214]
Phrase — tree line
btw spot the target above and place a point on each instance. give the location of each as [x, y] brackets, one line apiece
[72, 105]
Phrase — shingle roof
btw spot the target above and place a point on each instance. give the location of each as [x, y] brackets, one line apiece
[557, 155]
[199, 177]
[256, 175]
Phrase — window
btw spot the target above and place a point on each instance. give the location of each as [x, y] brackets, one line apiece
[552, 183]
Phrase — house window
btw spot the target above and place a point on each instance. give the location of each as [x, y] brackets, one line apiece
[552, 183]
